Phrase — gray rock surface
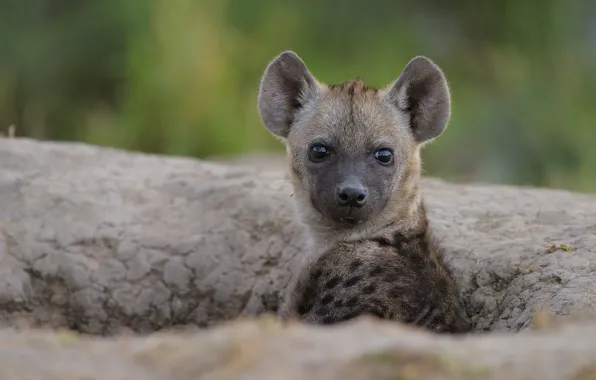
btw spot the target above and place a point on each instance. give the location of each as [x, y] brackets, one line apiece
[101, 241]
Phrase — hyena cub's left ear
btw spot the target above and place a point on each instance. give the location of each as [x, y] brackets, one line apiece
[286, 87]
[422, 92]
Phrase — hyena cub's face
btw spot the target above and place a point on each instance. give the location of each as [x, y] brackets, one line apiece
[352, 148]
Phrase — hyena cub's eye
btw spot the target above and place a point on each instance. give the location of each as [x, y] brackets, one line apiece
[318, 152]
[384, 156]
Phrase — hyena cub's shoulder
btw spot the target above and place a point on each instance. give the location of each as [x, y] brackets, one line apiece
[355, 162]
[398, 275]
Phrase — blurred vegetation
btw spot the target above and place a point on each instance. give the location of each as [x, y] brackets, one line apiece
[181, 76]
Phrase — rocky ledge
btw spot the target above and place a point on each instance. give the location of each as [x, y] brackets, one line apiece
[261, 349]
[104, 241]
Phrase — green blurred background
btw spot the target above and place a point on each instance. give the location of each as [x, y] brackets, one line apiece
[180, 77]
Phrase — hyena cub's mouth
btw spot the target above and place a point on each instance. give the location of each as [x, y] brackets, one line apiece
[351, 221]
[351, 218]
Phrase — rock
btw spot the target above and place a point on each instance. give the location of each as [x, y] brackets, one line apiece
[258, 350]
[100, 241]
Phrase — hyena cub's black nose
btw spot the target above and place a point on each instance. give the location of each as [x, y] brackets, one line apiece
[352, 196]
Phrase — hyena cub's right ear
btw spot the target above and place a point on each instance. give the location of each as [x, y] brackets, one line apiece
[422, 92]
[286, 87]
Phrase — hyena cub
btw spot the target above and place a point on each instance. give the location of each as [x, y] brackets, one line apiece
[354, 155]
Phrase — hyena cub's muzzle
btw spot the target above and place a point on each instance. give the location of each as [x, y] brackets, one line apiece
[349, 194]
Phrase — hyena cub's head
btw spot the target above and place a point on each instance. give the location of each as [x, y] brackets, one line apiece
[354, 150]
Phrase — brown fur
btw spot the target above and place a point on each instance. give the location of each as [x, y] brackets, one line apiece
[378, 257]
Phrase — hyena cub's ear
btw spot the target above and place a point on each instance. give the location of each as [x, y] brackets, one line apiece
[286, 87]
[422, 92]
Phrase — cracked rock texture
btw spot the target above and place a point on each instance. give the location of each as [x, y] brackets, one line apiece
[102, 241]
